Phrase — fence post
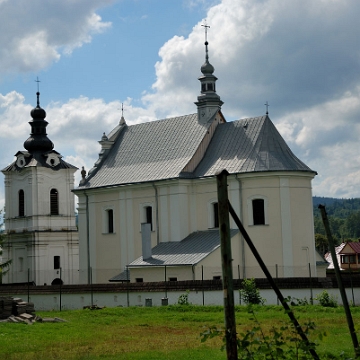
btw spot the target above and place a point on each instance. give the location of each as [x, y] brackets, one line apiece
[202, 284]
[91, 288]
[226, 263]
[28, 285]
[311, 289]
[127, 286]
[60, 287]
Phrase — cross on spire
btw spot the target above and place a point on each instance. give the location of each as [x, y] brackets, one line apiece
[267, 108]
[206, 29]
[122, 109]
[38, 91]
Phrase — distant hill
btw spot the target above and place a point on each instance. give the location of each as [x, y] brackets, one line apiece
[340, 208]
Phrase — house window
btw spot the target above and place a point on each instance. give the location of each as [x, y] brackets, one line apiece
[348, 259]
[21, 203]
[148, 216]
[110, 221]
[56, 262]
[172, 278]
[217, 277]
[54, 202]
[215, 214]
[21, 264]
[258, 212]
[139, 280]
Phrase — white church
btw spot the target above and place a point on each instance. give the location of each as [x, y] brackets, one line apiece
[148, 208]
[41, 234]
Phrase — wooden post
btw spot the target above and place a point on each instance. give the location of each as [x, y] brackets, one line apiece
[226, 263]
[339, 281]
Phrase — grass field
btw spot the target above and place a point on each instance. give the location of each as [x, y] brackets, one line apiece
[158, 333]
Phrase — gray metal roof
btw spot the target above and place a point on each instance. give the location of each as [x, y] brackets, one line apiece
[161, 149]
[248, 145]
[189, 251]
[150, 151]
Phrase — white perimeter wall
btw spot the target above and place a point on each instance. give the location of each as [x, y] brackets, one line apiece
[77, 301]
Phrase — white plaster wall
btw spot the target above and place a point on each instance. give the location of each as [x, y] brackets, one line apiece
[48, 302]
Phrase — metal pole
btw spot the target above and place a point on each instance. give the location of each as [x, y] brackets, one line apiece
[202, 284]
[91, 288]
[272, 282]
[60, 288]
[165, 283]
[28, 285]
[226, 262]
[339, 281]
[311, 289]
[127, 287]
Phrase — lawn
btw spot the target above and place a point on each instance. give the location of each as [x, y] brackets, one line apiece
[159, 333]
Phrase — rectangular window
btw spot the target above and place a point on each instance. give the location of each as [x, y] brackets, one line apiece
[217, 277]
[258, 211]
[56, 262]
[139, 280]
[172, 278]
[348, 259]
[110, 218]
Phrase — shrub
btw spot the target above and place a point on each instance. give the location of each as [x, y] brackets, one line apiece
[184, 298]
[326, 300]
[250, 293]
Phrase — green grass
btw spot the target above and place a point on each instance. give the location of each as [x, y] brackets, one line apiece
[157, 333]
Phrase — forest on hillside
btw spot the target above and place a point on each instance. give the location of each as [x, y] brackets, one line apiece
[344, 219]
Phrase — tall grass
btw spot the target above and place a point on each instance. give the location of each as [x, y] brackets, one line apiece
[168, 332]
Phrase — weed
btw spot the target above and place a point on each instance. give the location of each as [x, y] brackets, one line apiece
[250, 293]
[184, 298]
[326, 300]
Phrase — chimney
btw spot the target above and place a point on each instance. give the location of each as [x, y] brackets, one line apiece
[146, 240]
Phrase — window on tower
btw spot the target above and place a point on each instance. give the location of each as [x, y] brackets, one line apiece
[21, 203]
[110, 221]
[54, 202]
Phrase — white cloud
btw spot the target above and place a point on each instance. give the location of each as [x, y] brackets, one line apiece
[40, 31]
[300, 55]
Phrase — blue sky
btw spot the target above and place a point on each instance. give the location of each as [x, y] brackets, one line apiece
[91, 56]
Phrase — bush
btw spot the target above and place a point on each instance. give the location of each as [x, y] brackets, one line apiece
[326, 300]
[250, 293]
[184, 298]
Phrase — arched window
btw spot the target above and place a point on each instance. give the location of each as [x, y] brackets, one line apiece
[258, 211]
[110, 221]
[148, 216]
[257, 206]
[21, 203]
[54, 202]
[216, 214]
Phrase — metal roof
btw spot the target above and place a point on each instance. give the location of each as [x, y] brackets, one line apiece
[248, 145]
[150, 151]
[354, 245]
[161, 149]
[190, 251]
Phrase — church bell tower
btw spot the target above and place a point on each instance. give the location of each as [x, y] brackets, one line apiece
[41, 233]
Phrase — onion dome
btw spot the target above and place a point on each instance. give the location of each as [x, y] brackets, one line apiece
[207, 68]
[38, 140]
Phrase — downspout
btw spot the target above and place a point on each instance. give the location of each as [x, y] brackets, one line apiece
[242, 244]
[88, 236]
[156, 214]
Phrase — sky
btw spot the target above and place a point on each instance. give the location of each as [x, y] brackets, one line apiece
[95, 57]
